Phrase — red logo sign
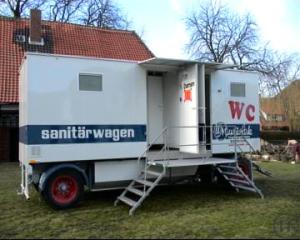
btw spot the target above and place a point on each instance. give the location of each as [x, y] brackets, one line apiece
[237, 108]
[187, 95]
[187, 91]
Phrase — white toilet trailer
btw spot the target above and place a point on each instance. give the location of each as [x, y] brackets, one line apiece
[110, 124]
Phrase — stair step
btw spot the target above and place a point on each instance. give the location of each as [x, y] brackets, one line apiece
[238, 181]
[232, 174]
[245, 188]
[149, 172]
[136, 191]
[127, 200]
[227, 166]
[144, 182]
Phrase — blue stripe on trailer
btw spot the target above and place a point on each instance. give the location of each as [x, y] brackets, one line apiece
[72, 134]
[223, 131]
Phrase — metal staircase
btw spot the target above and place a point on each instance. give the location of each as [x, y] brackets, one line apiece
[141, 187]
[238, 179]
[236, 176]
[154, 169]
[148, 179]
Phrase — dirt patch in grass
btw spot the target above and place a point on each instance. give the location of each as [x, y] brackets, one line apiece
[189, 211]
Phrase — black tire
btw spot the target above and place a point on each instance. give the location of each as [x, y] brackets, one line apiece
[63, 189]
[206, 174]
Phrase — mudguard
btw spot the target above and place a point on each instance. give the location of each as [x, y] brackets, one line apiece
[45, 175]
[246, 165]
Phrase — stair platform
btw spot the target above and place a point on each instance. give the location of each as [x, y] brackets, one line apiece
[153, 155]
[191, 162]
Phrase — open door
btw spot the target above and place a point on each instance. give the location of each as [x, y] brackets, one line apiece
[189, 117]
[155, 108]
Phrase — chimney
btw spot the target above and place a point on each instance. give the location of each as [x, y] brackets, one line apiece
[35, 27]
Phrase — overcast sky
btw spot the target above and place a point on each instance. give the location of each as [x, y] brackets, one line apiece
[165, 33]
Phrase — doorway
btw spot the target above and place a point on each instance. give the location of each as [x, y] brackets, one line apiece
[14, 145]
[207, 111]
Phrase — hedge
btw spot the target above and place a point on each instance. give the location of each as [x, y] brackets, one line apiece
[279, 135]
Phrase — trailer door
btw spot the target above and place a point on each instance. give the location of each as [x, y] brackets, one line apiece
[189, 132]
[155, 108]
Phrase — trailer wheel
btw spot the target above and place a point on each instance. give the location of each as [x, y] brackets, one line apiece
[64, 189]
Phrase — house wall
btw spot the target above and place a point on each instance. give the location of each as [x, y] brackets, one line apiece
[290, 98]
[272, 107]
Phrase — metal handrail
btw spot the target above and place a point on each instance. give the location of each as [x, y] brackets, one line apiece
[151, 144]
[145, 152]
[165, 148]
[248, 143]
[251, 150]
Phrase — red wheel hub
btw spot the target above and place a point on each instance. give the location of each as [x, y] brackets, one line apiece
[64, 189]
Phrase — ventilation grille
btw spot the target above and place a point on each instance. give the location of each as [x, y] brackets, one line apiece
[35, 151]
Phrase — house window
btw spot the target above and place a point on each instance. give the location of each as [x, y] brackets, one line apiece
[20, 38]
[238, 89]
[276, 117]
[279, 118]
[90, 82]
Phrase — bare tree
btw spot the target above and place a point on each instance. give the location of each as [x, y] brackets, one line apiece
[19, 8]
[99, 13]
[220, 36]
[64, 10]
[104, 14]
[278, 71]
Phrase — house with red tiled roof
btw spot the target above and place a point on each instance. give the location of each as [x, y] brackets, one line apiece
[17, 37]
[273, 115]
[282, 112]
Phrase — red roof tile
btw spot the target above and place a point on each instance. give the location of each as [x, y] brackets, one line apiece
[61, 38]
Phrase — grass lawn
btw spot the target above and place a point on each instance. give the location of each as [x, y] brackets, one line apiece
[190, 211]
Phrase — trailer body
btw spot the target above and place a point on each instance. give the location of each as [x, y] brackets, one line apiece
[97, 117]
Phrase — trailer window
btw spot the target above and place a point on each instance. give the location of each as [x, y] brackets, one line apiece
[90, 82]
[237, 89]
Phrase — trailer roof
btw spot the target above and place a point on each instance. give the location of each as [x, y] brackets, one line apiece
[168, 64]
